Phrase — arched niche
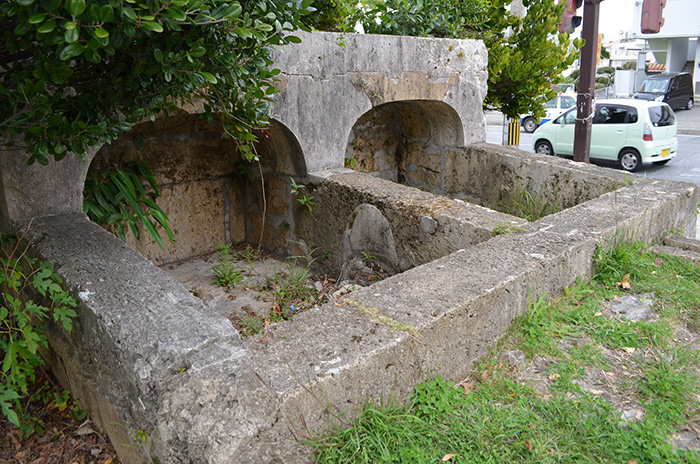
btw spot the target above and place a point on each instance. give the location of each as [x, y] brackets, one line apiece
[211, 194]
[405, 141]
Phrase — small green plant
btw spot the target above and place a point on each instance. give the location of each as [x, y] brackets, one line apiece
[523, 204]
[31, 296]
[196, 291]
[351, 163]
[341, 41]
[503, 228]
[249, 255]
[119, 198]
[305, 200]
[226, 274]
[367, 256]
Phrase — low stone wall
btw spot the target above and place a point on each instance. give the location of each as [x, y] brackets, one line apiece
[553, 183]
[145, 354]
[356, 214]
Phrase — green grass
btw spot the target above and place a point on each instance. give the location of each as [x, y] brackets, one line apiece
[496, 417]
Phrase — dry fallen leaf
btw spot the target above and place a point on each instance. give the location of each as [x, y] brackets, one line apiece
[625, 283]
[528, 444]
[632, 461]
[597, 314]
[596, 392]
[554, 376]
[629, 349]
[447, 457]
[512, 395]
[468, 387]
[85, 429]
[485, 374]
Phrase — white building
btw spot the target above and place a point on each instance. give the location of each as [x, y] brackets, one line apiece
[676, 44]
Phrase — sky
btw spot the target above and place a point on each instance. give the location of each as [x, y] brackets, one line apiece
[615, 16]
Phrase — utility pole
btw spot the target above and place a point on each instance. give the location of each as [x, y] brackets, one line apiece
[586, 86]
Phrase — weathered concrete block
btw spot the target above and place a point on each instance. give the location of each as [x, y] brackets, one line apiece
[330, 80]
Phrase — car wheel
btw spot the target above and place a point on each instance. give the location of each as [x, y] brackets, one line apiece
[543, 147]
[661, 163]
[630, 160]
[689, 105]
[529, 125]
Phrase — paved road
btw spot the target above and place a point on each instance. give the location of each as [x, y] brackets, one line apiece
[685, 167]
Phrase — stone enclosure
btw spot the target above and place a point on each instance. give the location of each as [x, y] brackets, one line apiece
[387, 135]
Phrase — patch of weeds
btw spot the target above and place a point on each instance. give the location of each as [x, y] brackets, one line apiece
[367, 256]
[588, 355]
[503, 228]
[523, 204]
[303, 199]
[668, 387]
[675, 281]
[295, 288]
[250, 255]
[439, 422]
[250, 324]
[253, 323]
[226, 274]
[612, 264]
[196, 291]
[536, 331]
[31, 297]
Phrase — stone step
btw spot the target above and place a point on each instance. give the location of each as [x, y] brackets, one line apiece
[682, 247]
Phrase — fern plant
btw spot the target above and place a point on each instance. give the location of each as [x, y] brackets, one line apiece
[120, 198]
[22, 320]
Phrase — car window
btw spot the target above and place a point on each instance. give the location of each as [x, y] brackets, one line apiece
[567, 118]
[610, 114]
[551, 103]
[632, 115]
[661, 115]
[567, 102]
[654, 86]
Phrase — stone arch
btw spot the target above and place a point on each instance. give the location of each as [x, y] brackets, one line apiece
[406, 141]
[210, 193]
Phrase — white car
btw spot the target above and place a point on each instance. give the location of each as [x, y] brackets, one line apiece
[553, 108]
[630, 132]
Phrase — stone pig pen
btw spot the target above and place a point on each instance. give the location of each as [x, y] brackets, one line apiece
[146, 354]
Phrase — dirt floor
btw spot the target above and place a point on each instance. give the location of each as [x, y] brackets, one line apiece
[266, 289]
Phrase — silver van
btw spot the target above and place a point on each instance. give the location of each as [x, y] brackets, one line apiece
[676, 89]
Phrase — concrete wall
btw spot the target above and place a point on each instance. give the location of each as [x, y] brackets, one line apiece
[330, 80]
[552, 183]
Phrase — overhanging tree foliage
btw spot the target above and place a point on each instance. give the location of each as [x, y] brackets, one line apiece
[76, 73]
[526, 55]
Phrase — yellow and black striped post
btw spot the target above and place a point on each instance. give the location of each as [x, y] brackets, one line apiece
[513, 132]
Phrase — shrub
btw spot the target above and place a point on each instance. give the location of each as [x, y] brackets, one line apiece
[22, 319]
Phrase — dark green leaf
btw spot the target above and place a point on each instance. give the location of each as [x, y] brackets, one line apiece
[152, 26]
[75, 7]
[101, 33]
[36, 18]
[47, 27]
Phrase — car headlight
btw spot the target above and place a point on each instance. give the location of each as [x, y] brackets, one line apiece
[660, 98]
